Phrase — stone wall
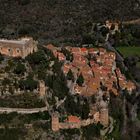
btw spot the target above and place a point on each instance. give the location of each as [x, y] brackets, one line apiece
[102, 118]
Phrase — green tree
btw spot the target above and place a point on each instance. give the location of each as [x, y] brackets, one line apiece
[68, 54]
[91, 131]
[85, 110]
[28, 84]
[59, 88]
[57, 66]
[6, 81]
[37, 57]
[80, 80]
[1, 57]
[23, 2]
[70, 75]
[20, 68]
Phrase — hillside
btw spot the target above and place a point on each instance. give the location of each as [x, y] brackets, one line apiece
[66, 20]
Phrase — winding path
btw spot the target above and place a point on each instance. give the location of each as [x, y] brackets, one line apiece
[22, 110]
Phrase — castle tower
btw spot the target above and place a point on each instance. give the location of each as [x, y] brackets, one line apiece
[42, 88]
[55, 122]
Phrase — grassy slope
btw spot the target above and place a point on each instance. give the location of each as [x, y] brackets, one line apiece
[129, 51]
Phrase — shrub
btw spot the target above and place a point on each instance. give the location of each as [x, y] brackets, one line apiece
[80, 80]
[1, 57]
[24, 2]
[28, 84]
[20, 69]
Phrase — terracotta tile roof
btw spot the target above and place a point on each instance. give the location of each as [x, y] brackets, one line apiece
[122, 84]
[73, 119]
[108, 84]
[130, 86]
[102, 50]
[93, 51]
[66, 68]
[78, 64]
[77, 89]
[83, 49]
[114, 91]
[55, 53]
[94, 83]
[77, 57]
[92, 63]
[61, 56]
[96, 68]
[97, 117]
[93, 87]
[86, 69]
[113, 78]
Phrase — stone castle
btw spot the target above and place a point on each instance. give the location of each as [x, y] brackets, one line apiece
[18, 48]
[101, 117]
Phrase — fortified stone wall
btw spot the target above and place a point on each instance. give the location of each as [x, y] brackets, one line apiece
[103, 119]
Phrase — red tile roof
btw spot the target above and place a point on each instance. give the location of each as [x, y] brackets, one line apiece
[73, 119]
[84, 50]
[61, 56]
[66, 68]
[93, 51]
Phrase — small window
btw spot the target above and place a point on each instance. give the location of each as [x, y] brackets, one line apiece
[9, 50]
[18, 51]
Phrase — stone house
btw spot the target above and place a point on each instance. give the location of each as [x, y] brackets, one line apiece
[18, 48]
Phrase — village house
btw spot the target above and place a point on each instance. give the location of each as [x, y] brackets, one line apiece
[102, 51]
[86, 72]
[66, 67]
[61, 56]
[130, 86]
[18, 48]
[93, 51]
[73, 119]
[109, 24]
[84, 51]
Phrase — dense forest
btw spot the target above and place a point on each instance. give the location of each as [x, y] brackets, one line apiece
[66, 20]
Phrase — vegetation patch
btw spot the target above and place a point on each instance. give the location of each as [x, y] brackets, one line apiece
[129, 51]
[26, 100]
